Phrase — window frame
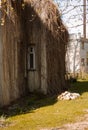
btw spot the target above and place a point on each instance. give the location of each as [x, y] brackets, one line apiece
[82, 45]
[87, 61]
[83, 61]
[31, 53]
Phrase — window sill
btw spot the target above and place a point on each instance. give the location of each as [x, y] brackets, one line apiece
[31, 69]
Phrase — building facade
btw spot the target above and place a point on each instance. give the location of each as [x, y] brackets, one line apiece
[77, 54]
[32, 49]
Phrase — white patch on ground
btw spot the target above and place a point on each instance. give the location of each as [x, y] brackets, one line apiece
[68, 96]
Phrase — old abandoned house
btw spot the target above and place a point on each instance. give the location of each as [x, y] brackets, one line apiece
[32, 49]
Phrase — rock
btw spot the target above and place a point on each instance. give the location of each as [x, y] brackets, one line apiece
[68, 96]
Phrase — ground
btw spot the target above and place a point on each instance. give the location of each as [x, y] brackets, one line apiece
[39, 112]
[82, 124]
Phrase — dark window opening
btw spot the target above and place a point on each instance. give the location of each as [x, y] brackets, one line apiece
[82, 62]
[31, 58]
[87, 61]
[31, 61]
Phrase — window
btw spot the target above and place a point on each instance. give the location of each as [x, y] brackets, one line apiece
[82, 45]
[31, 58]
[86, 54]
[82, 62]
[87, 61]
[87, 58]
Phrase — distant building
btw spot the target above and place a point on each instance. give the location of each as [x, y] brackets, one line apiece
[73, 54]
[77, 54]
[84, 55]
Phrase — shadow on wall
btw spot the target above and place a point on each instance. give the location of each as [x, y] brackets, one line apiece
[41, 25]
[44, 26]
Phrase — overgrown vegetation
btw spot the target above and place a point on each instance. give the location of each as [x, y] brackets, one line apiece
[35, 112]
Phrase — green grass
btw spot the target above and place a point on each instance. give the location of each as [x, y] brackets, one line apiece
[36, 112]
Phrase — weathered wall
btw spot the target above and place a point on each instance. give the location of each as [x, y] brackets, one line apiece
[1, 67]
[37, 24]
[47, 31]
[37, 80]
[12, 61]
[43, 63]
[13, 72]
[32, 25]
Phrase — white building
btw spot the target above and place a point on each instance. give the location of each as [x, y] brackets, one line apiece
[84, 55]
[77, 54]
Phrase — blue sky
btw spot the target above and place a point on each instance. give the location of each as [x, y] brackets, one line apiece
[72, 14]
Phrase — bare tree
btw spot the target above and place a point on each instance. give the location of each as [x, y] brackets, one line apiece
[72, 12]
